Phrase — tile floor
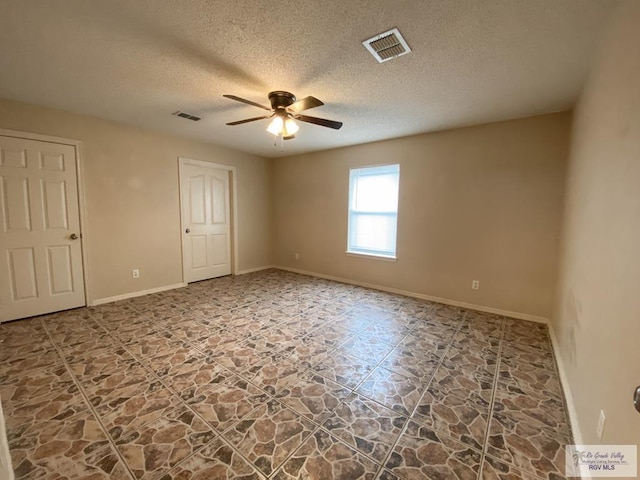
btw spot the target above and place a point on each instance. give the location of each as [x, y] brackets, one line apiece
[284, 376]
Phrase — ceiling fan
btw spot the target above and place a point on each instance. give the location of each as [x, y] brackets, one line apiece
[285, 109]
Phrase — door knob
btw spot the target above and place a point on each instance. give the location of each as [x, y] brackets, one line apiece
[636, 399]
[73, 236]
[187, 231]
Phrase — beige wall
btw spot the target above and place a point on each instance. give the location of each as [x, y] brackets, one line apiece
[131, 184]
[479, 203]
[597, 321]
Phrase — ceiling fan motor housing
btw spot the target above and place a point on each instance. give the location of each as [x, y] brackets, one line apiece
[281, 100]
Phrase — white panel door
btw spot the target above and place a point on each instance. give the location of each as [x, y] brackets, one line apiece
[40, 251]
[206, 242]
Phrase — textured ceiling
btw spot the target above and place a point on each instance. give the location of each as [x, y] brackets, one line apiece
[137, 61]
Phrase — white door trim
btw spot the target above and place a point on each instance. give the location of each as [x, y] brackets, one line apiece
[82, 203]
[234, 205]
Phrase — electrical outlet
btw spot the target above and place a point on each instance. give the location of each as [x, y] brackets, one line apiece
[600, 428]
[136, 273]
[297, 256]
[475, 284]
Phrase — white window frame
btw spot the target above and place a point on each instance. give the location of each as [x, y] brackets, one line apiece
[361, 252]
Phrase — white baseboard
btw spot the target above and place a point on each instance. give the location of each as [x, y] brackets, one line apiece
[446, 301]
[6, 470]
[139, 293]
[256, 269]
[564, 381]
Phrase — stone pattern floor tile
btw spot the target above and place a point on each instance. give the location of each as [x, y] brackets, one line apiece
[422, 453]
[366, 426]
[392, 389]
[216, 460]
[313, 396]
[493, 469]
[457, 404]
[279, 375]
[344, 369]
[225, 403]
[527, 446]
[269, 435]
[162, 443]
[322, 457]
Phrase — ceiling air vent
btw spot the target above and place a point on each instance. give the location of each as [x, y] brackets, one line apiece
[387, 45]
[188, 116]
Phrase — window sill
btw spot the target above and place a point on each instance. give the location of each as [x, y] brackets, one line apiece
[384, 258]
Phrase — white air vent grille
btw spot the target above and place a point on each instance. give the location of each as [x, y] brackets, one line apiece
[387, 45]
[188, 116]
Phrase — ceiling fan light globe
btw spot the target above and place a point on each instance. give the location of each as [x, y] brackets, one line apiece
[290, 127]
[276, 126]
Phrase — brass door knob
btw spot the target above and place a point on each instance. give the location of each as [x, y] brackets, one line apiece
[187, 231]
[73, 236]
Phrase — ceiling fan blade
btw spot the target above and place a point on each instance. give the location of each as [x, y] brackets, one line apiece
[319, 121]
[248, 102]
[240, 122]
[304, 104]
[290, 137]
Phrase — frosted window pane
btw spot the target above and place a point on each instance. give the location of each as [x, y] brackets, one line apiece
[377, 193]
[376, 233]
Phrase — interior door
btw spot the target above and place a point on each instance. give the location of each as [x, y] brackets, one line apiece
[206, 231]
[40, 250]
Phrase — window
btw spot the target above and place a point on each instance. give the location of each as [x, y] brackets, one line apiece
[373, 210]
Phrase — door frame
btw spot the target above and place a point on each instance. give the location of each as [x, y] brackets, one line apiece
[184, 161]
[82, 203]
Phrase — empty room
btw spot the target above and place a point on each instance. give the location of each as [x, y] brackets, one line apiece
[378, 239]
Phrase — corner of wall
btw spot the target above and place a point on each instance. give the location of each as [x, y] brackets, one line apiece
[566, 388]
[594, 326]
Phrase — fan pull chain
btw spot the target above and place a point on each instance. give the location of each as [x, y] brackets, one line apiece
[275, 141]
